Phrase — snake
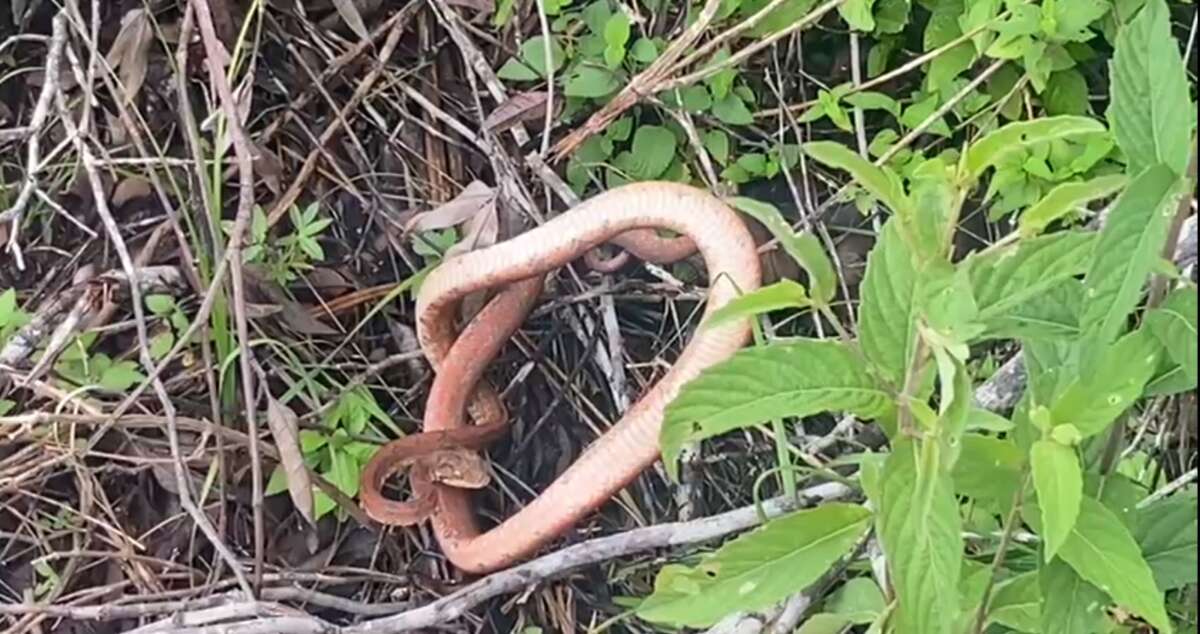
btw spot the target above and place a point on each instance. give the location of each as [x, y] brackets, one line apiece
[442, 458]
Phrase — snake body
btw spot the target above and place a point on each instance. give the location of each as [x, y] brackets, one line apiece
[627, 217]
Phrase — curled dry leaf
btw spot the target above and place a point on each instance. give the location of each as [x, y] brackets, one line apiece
[469, 202]
[130, 52]
[129, 189]
[268, 165]
[525, 106]
[285, 430]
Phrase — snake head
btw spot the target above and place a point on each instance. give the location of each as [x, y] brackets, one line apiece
[461, 468]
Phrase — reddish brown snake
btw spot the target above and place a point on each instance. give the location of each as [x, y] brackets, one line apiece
[627, 217]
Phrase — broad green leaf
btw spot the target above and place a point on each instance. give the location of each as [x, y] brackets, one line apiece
[782, 294]
[979, 419]
[935, 210]
[757, 569]
[121, 376]
[1053, 315]
[160, 304]
[1066, 198]
[891, 16]
[1127, 251]
[532, 64]
[1017, 603]
[616, 36]
[1166, 532]
[1102, 392]
[920, 530]
[799, 378]
[1150, 111]
[1072, 17]
[591, 82]
[652, 150]
[1059, 484]
[880, 182]
[1019, 136]
[732, 110]
[804, 248]
[1018, 273]
[825, 623]
[1174, 324]
[1070, 605]
[858, 596]
[644, 50]
[874, 101]
[1066, 93]
[717, 144]
[887, 317]
[1103, 552]
[785, 15]
[988, 469]
[857, 14]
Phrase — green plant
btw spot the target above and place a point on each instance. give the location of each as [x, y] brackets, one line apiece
[80, 366]
[285, 258]
[334, 451]
[164, 307]
[1093, 348]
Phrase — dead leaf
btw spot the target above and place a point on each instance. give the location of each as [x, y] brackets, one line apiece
[353, 18]
[486, 6]
[130, 52]
[285, 428]
[129, 189]
[525, 106]
[482, 230]
[266, 294]
[456, 211]
[326, 279]
[269, 167]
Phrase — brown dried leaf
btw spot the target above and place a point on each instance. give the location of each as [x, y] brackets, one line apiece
[130, 52]
[482, 231]
[458, 210]
[525, 106]
[285, 428]
[269, 167]
[129, 189]
[353, 18]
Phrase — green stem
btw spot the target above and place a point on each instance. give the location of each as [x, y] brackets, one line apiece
[1010, 524]
[787, 477]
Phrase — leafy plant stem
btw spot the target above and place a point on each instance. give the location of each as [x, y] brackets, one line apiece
[787, 476]
[1010, 525]
[911, 379]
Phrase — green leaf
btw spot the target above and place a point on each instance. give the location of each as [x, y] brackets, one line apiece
[881, 182]
[644, 50]
[121, 376]
[858, 596]
[804, 248]
[1059, 484]
[1072, 17]
[1070, 605]
[1174, 324]
[988, 469]
[782, 294]
[532, 64]
[794, 379]
[1009, 277]
[717, 144]
[891, 16]
[1150, 111]
[158, 304]
[278, 482]
[1054, 315]
[1019, 136]
[785, 15]
[857, 14]
[1066, 93]
[732, 110]
[616, 36]
[1105, 390]
[1127, 251]
[1017, 603]
[1066, 198]
[935, 209]
[653, 148]
[920, 530]
[887, 317]
[696, 99]
[1166, 532]
[344, 472]
[161, 344]
[874, 101]
[1103, 552]
[591, 82]
[757, 569]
